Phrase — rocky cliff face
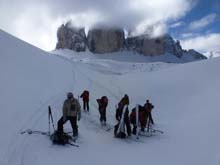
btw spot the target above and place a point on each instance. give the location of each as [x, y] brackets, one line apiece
[159, 46]
[172, 47]
[105, 40]
[70, 37]
[146, 46]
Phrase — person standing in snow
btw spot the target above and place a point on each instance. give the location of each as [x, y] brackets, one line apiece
[103, 103]
[124, 101]
[142, 116]
[85, 98]
[71, 112]
[119, 112]
[148, 108]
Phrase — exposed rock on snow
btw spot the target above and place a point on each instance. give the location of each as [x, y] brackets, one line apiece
[172, 46]
[159, 46]
[196, 55]
[105, 40]
[70, 37]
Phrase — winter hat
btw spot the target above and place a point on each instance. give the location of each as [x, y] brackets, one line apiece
[69, 95]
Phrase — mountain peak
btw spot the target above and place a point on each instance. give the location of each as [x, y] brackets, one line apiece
[107, 40]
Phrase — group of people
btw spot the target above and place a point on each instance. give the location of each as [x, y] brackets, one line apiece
[72, 112]
[122, 113]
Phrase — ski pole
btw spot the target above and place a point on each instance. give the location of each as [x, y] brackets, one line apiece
[137, 121]
[148, 124]
[49, 119]
[51, 116]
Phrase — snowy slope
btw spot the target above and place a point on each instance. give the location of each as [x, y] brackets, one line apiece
[30, 80]
[185, 98]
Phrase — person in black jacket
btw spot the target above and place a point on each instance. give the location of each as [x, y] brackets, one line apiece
[124, 101]
[119, 111]
[148, 108]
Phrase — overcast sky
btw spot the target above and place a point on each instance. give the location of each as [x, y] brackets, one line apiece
[195, 22]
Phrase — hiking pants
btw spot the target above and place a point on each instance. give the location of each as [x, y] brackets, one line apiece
[73, 122]
[102, 114]
[85, 105]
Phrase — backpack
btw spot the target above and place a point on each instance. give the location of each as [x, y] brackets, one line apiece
[60, 138]
[105, 99]
[119, 134]
[133, 117]
[86, 93]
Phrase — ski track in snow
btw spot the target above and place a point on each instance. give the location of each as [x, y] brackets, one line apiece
[18, 147]
[16, 153]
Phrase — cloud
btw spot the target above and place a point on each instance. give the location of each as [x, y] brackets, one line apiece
[189, 35]
[204, 44]
[36, 21]
[177, 24]
[203, 22]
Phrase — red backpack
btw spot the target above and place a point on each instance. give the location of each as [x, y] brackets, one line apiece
[105, 99]
[133, 117]
[86, 95]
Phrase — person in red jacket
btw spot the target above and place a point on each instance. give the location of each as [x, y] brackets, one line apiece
[142, 117]
[85, 98]
[103, 103]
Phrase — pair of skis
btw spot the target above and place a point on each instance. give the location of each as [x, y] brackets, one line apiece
[121, 126]
[106, 127]
[30, 132]
[50, 119]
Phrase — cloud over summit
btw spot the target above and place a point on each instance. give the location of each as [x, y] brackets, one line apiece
[46, 15]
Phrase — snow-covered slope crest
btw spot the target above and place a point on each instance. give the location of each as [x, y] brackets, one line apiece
[186, 99]
[114, 63]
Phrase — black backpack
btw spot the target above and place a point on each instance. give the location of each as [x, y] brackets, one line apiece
[60, 138]
[119, 134]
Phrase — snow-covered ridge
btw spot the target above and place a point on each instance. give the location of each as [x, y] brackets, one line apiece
[186, 99]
